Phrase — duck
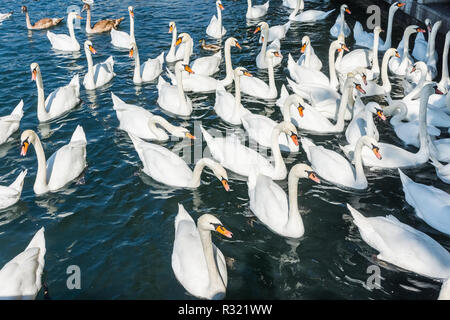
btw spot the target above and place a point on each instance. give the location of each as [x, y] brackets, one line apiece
[44, 23]
[121, 39]
[171, 97]
[21, 278]
[143, 124]
[334, 168]
[10, 123]
[176, 51]
[227, 106]
[63, 166]
[209, 46]
[100, 74]
[102, 25]
[215, 28]
[261, 62]
[149, 70]
[256, 87]
[198, 265]
[308, 15]
[420, 49]
[10, 195]
[275, 32]
[400, 65]
[394, 241]
[60, 101]
[340, 26]
[229, 75]
[234, 156]
[308, 58]
[442, 171]
[269, 203]
[65, 42]
[255, 12]
[431, 204]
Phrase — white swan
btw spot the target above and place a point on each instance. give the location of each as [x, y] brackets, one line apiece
[258, 88]
[171, 97]
[10, 123]
[431, 204]
[149, 70]
[269, 203]
[261, 61]
[340, 26]
[143, 124]
[229, 76]
[308, 58]
[100, 74]
[275, 32]
[292, 4]
[197, 263]
[444, 83]
[121, 39]
[9, 195]
[65, 42]
[215, 28]
[176, 52]
[168, 168]
[442, 171]
[20, 278]
[236, 157]
[401, 65]
[254, 12]
[4, 16]
[227, 106]
[333, 167]
[403, 246]
[420, 49]
[308, 15]
[59, 101]
[365, 39]
[362, 123]
[444, 294]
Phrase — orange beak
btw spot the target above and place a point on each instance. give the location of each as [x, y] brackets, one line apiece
[33, 75]
[381, 115]
[223, 231]
[358, 87]
[179, 40]
[401, 4]
[238, 45]
[79, 17]
[190, 136]
[225, 184]
[91, 48]
[131, 53]
[23, 151]
[345, 47]
[420, 30]
[295, 139]
[248, 74]
[413, 69]
[302, 50]
[397, 55]
[314, 177]
[377, 153]
[300, 111]
[132, 14]
[221, 6]
[170, 29]
[348, 11]
[258, 29]
[188, 69]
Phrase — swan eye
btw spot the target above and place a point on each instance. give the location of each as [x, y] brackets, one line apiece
[225, 184]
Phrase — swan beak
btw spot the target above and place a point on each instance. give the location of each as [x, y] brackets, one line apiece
[401, 4]
[381, 115]
[420, 30]
[377, 153]
[258, 29]
[80, 17]
[132, 14]
[313, 177]
[131, 53]
[277, 54]
[170, 29]
[190, 136]
[348, 11]
[358, 87]
[33, 75]
[221, 6]
[262, 38]
[248, 74]
[188, 69]
[397, 55]
[429, 27]
[23, 151]
[437, 91]
[300, 111]
[302, 50]
[413, 69]
[179, 40]
[345, 47]
[91, 48]
[225, 184]
[364, 77]
[221, 229]
[238, 45]
[295, 139]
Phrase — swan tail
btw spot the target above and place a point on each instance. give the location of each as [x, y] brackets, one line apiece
[161, 58]
[287, 25]
[218, 54]
[78, 137]
[18, 183]
[38, 241]
[161, 82]
[444, 294]
[18, 110]
[266, 5]
[182, 215]
[76, 83]
[206, 135]
[358, 31]
[360, 221]
[172, 77]
[117, 22]
[116, 101]
[328, 13]
[110, 62]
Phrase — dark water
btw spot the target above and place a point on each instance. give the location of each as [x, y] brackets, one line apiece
[118, 226]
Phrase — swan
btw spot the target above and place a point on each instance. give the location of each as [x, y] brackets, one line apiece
[65, 42]
[420, 44]
[102, 25]
[171, 97]
[9, 195]
[168, 168]
[308, 58]
[229, 76]
[269, 203]
[291, 4]
[240, 159]
[227, 106]
[100, 74]
[4, 16]
[365, 39]
[254, 12]
[43, 23]
[275, 32]
[176, 52]
[256, 87]
[261, 62]
[10, 123]
[401, 65]
[431, 204]
[403, 246]
[333, 167]
[59, 101]
[259, 127]
[215, 28]
[149, 70]
[20, 278]
[121, 39]
[440, 149]
[308, 15]
[444, 294]
[362, 123]
[442, 171]
[197, 263]
[444, 83]
[143, 124]
[65, 165]
[340, 26]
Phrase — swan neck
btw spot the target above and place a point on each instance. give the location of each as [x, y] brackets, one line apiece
[331, 64]
[41, 95]
[131, 27]
[360, 176]
[387, 43]
[296, 10]
[228, 64]
[444, 78]
[137, 66]
[423, 133]
[339, 126]
[237, 91]
[432, 43]
[71, 30]
[279, 163]
[187, 50]
[294, 218]
[174, 39]
[88, 20]
[215, 281]
[272, 86]
[384, 73]
[375, 66]
[27, 19]
[41, 175]
[180, 86]
[264, 45]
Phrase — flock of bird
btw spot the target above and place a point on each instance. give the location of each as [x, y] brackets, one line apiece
[320, 103]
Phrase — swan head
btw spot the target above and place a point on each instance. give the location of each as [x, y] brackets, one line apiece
[397, 107]
[344, 8]
[131, 11]
[73, 15]
[27, 137]
[220, 173]
[35, 69]
[271, 53]
[392, 52]
[208, 222]
[241, 71]
[428, 24]
[375, 108]
[180, 66]
[24, 9]
[421, 66]
[86, 7]
[261, 26]
[296, 100]
[304, 171]
[339, 45]
[416, 29]
[377, 29]
[372, 144]
[431, 88]
[289, 129]
[398, 5]
[305, 42]
[183, 37]
[219, 5]
[89, 47]
[182, 132]
[233, 42]
[361, 72]
[172, 26]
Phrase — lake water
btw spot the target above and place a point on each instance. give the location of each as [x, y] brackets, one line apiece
[118, 226]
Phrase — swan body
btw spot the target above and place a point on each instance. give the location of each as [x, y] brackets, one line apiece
[193, 82]
[9, 195]
[100, 74]
[261, 58]
[441, 149]
[177, 52]
[276, 32]
[340, 26]
[400, 65]
[59, 101]
[121, 39]
[215, 28]
[309, 15]
[308, 58]
[362, 123]
[65, 42]
[4, 16]
[43, 23]
[65, 165]
[102, 25]
[271, 206]
[442, 171]
[149, 70]
[10, 123]
[197, 263]
[254, 12]
[20, 278]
